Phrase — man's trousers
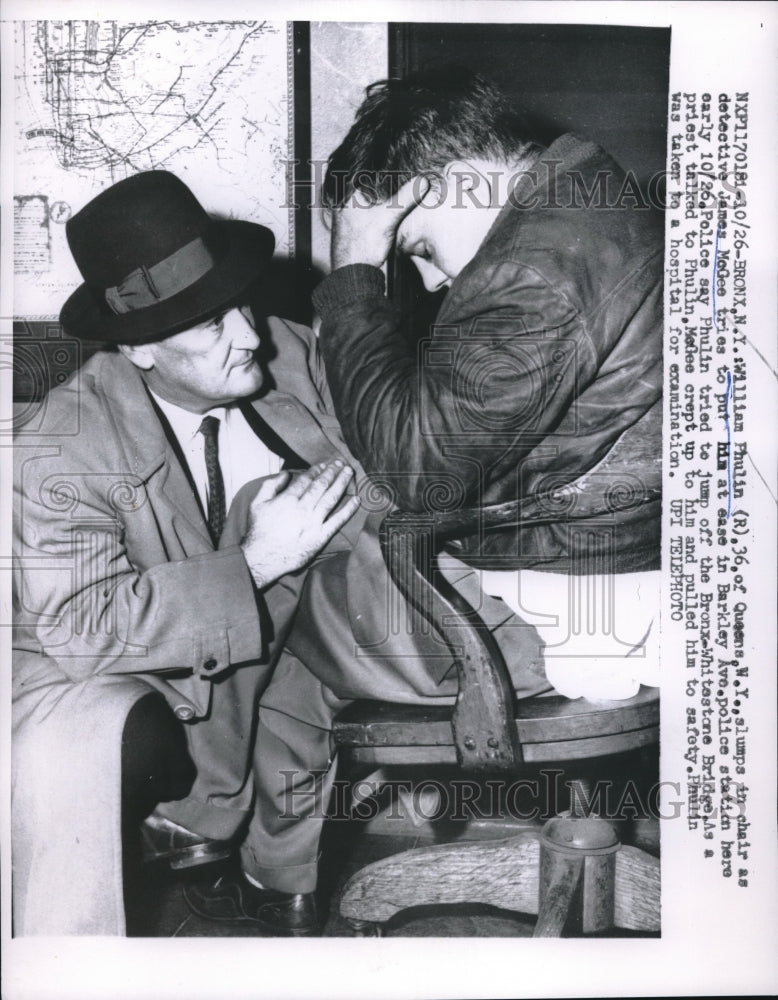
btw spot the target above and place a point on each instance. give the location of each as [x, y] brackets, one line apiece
[323, 668]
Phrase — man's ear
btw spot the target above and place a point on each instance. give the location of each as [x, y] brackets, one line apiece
[141, 355]
[472, 176]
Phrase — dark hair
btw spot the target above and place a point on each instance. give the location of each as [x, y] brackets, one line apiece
[417, 125]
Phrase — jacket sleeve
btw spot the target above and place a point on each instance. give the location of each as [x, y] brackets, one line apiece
[81, 602]
[482, 389]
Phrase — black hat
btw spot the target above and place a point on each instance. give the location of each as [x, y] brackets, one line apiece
[155, 263]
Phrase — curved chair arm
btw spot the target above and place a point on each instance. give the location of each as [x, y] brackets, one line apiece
[483, 719]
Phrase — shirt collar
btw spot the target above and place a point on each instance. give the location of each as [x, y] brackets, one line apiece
[184, 423]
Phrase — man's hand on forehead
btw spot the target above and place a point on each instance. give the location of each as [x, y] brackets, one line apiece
[363, 231]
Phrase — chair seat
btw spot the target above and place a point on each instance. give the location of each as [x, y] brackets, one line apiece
[550, 728]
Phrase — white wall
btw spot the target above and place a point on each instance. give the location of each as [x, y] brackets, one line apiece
[345, 58]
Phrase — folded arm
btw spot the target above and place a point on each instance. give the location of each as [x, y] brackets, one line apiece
[480, 393]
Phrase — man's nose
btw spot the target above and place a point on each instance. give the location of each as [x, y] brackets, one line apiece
[433, 278]
[241, 331]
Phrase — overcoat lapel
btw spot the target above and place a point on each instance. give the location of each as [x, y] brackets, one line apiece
[148, 455]
[294, 424]
[308, 431]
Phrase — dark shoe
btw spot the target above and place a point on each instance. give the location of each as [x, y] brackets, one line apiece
[233, 899]
[162, 838]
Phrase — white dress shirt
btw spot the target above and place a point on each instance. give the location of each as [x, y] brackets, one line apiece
[242, 455]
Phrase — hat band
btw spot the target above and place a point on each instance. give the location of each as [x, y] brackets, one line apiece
[146, 286]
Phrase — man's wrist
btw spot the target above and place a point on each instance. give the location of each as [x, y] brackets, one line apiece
[257, 573]
[348, 284]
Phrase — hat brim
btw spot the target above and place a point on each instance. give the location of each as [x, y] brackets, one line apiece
[249, 248]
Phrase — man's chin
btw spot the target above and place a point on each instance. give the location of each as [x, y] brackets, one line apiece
[247, 381]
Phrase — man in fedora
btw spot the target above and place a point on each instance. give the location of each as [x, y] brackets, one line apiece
[142, 585]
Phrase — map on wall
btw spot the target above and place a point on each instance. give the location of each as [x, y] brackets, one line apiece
[97, 101]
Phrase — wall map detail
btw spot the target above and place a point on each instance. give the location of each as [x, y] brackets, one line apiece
[100, 100]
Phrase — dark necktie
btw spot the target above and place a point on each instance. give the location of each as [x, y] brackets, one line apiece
[209, 428]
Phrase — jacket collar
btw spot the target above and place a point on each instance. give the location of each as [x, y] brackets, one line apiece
[293, 424]
[568, 152]
[145, 444]
[138, 427]
[147, 451]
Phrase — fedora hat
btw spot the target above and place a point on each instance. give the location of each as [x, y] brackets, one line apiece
[155, 263]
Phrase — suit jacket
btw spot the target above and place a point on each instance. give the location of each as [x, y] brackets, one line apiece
[117, 573]
[119, 589]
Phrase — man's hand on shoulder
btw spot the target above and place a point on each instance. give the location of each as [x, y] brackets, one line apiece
[292, 518]
[363, 231]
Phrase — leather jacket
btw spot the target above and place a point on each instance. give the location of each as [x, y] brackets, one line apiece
[540, 381]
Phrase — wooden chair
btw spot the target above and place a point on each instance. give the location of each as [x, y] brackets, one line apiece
[573, 873]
